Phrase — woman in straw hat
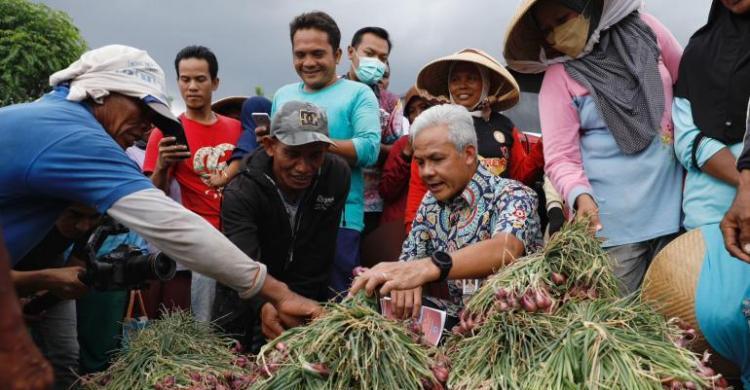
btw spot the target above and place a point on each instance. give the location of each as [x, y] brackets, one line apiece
[473, 79]
[605, 106]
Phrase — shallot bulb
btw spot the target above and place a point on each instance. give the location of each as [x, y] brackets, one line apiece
[542, 300]
[440, 373]
[528, 304]
[558, 279]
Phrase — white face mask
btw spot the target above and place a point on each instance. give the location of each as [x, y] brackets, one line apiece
[370, 70]
[570, 37]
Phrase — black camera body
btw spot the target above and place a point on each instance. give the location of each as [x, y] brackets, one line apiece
[127, 268]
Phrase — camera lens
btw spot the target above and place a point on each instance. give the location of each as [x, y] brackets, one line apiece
[162, 267]
[139, 269]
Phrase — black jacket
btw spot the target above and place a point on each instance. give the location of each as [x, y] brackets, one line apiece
[254, 218]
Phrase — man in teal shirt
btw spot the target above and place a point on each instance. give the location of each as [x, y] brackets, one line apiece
[353, 119]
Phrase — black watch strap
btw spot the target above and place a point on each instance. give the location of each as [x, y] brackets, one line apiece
[444, 262]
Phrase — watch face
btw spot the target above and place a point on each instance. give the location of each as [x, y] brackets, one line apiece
[443, 257]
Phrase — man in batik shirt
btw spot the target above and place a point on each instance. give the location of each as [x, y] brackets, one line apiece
[470, 224]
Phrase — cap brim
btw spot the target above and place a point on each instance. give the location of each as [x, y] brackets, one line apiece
[303, 138]
[164, 118]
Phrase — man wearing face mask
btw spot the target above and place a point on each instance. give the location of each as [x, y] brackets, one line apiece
[369, 53]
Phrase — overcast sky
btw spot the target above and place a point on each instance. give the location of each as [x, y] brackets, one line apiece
[251, 37]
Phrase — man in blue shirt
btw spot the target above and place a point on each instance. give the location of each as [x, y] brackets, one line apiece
[70, 147]
[353, 118]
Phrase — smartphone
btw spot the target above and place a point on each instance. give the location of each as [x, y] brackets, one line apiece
[262, 119]
[171, 128]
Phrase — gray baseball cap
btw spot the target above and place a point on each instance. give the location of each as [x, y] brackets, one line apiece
[300, 123]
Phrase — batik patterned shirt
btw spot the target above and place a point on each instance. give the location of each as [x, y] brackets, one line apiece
[488, 206]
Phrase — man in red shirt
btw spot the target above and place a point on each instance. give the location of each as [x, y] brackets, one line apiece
[211, 139]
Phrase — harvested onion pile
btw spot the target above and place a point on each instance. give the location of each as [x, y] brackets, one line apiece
[176, 352]
[571, 266]
[619, 343]
[351, 346]
[552, 320]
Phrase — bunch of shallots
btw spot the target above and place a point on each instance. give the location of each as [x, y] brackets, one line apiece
[177, 352]
[553, 320]
[351, 346]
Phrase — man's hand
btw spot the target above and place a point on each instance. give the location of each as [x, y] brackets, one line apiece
[398, 275]
[586, 209]
[260, 133]
[170, 153]
[292, 309]
[218, 179]
[65, 283]
[22, 366]
[735, 227]
[296, 310]
[270, 322]
[406, 303]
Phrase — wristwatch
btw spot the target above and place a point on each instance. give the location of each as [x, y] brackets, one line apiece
[444, 262]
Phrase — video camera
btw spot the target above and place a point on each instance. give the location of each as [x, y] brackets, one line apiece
[126, 267]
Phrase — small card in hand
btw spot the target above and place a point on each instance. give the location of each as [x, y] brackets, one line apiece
[432, 321]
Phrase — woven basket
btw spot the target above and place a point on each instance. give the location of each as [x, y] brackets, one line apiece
[670, 284]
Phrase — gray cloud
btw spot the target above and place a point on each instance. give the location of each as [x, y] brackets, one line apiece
[251, 38]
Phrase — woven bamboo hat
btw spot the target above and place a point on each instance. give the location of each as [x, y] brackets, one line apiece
[672, 277]
[230, 106]
[523, 39]
[525, 49]
[670, 284]
[433, 78]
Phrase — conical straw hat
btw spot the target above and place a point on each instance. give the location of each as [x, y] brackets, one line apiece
[523, 39]
[670, 284]
[226, 106]
[433, 78]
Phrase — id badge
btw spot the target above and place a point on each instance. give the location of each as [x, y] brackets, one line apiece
[470, 286]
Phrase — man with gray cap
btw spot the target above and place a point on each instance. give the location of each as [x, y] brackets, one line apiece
[69, 147]
[283, 209]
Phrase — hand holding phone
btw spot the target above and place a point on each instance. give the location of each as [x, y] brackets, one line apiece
[262, 124]
[171, 152]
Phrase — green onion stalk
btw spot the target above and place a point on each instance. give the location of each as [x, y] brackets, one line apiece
[351, 346]
[572, 265]
[500, 352]
[175, 352]
[554, 320]
[618, 344]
